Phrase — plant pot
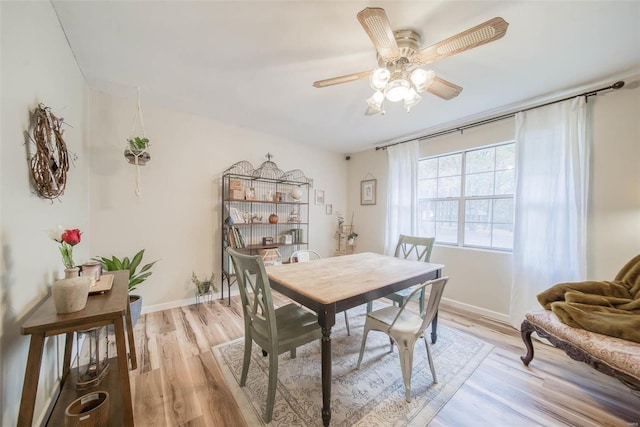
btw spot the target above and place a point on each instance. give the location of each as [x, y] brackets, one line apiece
[143, 157]
[90, 410]
[135, 305]
[204, 287]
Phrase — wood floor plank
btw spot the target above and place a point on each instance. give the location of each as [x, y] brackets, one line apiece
[178, 367]
[148, 403]
[181, 402]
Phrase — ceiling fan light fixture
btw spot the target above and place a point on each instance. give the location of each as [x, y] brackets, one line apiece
[411, 99]
[422, 79]
[374, 103]
[396, 90]
[379, 78]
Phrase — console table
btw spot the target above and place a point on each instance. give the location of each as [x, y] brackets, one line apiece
[110, 307]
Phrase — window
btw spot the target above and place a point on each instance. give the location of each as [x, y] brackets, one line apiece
[466, 198]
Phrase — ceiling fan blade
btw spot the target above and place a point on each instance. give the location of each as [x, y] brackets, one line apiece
[342, 79]
[444, 89]
[375, 22]
[486, 32]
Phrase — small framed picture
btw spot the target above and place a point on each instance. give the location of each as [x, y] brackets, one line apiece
[319, 197]
[328, 209]
[368, 192]
[235, 215]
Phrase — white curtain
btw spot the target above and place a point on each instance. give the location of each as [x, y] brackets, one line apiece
[552, 156]
[401, 193]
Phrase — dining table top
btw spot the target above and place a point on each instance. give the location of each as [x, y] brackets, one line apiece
[329, 280]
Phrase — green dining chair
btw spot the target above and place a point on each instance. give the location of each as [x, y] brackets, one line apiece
[276, 331]
[405, 328]
[304, 255]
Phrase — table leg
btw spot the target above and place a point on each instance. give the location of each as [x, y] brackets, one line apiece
[123, 372]
[132, 344]
[326, 319]
[31, 377]
[66, 363]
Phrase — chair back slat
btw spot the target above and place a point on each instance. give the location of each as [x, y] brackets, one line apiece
[435, 295]
[413, 247]
[304, 255]
[255, 294]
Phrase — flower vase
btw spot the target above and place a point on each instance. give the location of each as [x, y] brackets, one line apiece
[70, 273]
[70, 294]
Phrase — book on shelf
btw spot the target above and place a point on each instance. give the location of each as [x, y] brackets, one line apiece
[235, 238]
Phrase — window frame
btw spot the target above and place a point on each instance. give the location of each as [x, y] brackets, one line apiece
[462, 199]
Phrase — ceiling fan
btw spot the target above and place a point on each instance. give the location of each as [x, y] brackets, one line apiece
[399, 76]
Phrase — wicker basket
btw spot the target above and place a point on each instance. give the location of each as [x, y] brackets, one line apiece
[89, 410]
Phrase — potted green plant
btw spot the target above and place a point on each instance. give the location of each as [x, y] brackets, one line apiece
[351, 238]
[135, 277]
[138, 148]
[204, 286]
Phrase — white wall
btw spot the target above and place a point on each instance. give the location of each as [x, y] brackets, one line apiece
[37, 66]
[178, 217]
[481, 280]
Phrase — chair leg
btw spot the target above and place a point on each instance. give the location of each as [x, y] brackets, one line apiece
[406, 364]
[346, 321]
[433, 368]
[364, 341]
[293, 353]
[245, 360]
[271, 390]
[369, 306]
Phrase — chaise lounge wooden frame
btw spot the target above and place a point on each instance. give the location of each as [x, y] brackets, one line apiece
[612, 356]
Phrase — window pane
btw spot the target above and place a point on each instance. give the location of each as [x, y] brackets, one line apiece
[426, 210]
[447, 232]
[428, 168]
[480, 160]
[503, 236]
[447, 211]
[479, 184]
[503, 211]
[505, 182]
[506, 157]
[450, 165]
[426, 228]
[427, 188]
[449, 187]
[477, 211]
[476, 234]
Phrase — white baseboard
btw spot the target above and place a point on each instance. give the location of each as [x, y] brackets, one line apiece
[493, 315]
[181, 303]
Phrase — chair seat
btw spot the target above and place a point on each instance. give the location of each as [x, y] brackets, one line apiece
[407, 322]
[294, 322]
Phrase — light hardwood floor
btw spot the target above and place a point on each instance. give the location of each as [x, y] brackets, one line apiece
[178, 382]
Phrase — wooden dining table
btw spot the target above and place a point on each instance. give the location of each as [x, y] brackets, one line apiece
[331, 285]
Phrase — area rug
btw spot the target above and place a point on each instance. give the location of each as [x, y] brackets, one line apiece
[371, 396]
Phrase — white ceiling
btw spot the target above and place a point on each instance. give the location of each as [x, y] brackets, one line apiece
[252, 63]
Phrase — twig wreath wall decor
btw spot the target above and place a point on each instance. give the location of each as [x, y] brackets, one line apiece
[50, 163]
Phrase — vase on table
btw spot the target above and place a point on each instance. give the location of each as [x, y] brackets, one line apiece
[70, 294]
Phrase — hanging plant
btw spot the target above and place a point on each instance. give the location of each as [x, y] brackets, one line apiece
[50, 163]
[137, 152]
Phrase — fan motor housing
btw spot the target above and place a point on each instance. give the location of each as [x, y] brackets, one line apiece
[408, 41]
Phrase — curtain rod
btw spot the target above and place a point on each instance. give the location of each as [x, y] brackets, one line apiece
[616, 85]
